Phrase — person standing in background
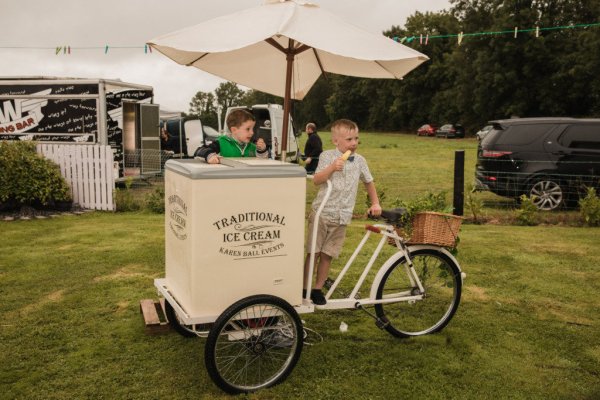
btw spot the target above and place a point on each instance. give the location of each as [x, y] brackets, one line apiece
[312, 149]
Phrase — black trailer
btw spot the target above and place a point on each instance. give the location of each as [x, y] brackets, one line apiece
[85, 111]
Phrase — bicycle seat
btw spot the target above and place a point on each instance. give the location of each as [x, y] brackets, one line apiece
[393, 216]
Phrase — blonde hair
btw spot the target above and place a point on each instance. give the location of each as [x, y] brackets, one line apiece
[237, 117]
[343, 124]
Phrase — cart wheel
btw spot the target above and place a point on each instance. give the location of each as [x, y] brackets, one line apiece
[183, 330]
[254, 344]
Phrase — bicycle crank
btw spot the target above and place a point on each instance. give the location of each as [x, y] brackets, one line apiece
[381, 323]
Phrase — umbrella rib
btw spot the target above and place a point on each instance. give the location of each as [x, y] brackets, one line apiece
[273, 43]
[302, 48]
[385, 69]
[319, 62]
[197, 59]
[294, 52]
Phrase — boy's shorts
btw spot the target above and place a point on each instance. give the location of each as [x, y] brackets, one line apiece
[330, 237]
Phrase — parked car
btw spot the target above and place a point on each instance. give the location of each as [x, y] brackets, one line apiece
[483, 132]
[427, 130]
[451, 131]
[551, 160]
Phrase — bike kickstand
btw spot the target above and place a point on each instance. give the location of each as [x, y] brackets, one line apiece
[381, 323]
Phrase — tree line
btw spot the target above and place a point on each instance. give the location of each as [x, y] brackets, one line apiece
[554, 71]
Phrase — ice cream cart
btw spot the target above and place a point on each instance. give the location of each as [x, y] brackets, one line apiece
[234, 242]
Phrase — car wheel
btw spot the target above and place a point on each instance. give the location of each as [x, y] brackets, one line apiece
[547, 194]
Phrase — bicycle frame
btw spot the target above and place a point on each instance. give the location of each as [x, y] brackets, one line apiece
[387, 232]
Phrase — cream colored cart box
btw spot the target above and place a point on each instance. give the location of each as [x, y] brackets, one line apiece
[233, 230]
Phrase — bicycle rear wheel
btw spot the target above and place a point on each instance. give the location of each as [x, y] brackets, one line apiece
[440, 277]
[254, 344]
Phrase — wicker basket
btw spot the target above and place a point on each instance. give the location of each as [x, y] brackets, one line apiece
[435, 228]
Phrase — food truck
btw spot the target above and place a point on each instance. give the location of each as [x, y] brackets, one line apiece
[83, 112]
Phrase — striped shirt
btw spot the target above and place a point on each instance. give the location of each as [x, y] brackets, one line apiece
[341, 202]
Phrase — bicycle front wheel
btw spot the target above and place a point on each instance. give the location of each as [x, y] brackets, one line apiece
[254, 344]
[442, 283]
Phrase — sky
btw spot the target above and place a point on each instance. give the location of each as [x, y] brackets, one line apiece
[33, 29]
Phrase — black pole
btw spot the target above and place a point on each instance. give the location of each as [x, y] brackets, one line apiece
[459, 182]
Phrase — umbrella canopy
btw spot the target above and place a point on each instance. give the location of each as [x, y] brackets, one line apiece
[283, 46]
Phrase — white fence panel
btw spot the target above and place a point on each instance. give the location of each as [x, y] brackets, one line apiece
[88, 171]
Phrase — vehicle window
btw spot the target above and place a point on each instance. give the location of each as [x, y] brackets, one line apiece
[523, 134]
[581, 137]
[210, 131]
[491, 136]
[447, 126]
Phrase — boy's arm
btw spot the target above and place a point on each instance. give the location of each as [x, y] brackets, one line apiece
[208, 151]
[375, 209]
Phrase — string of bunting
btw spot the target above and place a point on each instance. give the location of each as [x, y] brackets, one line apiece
[66, 49]
[424, 39]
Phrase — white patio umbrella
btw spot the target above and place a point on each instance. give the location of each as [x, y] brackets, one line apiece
[283, 46]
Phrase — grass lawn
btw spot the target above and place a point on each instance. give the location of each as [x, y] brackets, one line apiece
[527, 326]
[406, 166]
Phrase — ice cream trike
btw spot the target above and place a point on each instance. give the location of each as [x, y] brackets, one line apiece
[234, 238]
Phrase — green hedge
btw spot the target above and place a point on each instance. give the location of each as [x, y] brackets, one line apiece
[26, 178]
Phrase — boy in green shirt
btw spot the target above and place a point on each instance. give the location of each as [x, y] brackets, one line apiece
[241, 124]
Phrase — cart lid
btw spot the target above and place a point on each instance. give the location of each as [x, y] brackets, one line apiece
[235, 168]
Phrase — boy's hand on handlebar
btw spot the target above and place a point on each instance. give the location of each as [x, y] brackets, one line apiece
[374, 211]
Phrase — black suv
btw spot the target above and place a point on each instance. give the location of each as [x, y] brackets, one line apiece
[551, 160]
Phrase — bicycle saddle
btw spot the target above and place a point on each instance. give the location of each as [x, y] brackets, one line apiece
[393, 216]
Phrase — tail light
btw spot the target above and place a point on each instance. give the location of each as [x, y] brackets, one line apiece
[494, 154]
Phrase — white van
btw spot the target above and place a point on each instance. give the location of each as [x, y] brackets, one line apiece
[191, 133]
[269, 121]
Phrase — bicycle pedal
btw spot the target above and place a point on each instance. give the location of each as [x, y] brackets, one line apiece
[382, 323]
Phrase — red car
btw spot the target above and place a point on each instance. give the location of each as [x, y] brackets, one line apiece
[427, 130]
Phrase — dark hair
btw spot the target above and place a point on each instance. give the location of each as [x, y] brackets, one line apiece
[237, 117]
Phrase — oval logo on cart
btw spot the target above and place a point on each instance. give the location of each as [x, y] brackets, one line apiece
[178, 217]
[252, 234]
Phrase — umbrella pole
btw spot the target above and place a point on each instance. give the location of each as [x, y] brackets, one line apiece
[287, 98]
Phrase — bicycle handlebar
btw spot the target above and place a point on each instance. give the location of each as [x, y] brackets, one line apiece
[391, 217]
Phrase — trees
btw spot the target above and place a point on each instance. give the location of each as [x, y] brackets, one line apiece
[203, 106]
[490, 75]
[228, 94]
